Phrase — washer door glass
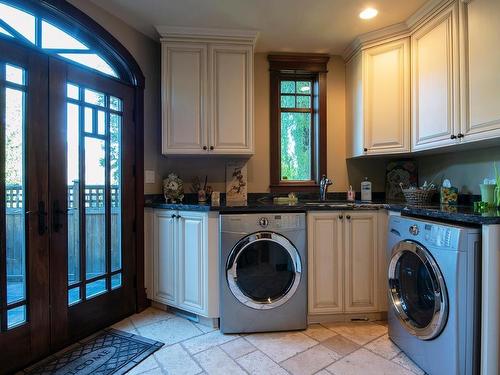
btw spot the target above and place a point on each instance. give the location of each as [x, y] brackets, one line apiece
[263, 270]
[417, 290]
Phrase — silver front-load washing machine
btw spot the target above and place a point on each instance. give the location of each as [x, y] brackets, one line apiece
[434, 289]
[263, 280]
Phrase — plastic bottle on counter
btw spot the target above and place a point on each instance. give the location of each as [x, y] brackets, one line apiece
[366, 190]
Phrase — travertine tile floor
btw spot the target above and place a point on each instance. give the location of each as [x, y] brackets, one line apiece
[335, 348]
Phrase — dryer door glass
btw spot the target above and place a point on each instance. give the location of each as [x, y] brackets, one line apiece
[417, 290]
[263, 270]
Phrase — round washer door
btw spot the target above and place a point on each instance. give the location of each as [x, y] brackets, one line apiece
[263, 270]
[417, 290]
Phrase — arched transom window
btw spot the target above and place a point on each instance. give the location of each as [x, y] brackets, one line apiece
[43, 33]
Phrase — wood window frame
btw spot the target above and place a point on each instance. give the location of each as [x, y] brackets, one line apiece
[295, 66]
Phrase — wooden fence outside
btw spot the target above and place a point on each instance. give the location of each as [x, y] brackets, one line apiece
[94, 227]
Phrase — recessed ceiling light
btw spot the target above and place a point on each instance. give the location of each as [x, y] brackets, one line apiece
[368, 13]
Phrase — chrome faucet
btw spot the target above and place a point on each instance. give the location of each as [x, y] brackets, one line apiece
[323, 187]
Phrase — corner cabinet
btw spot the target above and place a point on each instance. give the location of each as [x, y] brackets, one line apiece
[378, 99]
[183, 270]
[435, 80]
[207, 92]
[346, 261]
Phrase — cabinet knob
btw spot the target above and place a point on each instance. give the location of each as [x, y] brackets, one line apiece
[365, 149]
[348, 217]
[341, 217]
[211, 148]
[205, 148]
[453, 136]
[173, 216]
[460, 135]
[179, 216]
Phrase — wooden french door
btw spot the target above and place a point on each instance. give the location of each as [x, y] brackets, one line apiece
[24, 240]
[67, 245]
[91, 180]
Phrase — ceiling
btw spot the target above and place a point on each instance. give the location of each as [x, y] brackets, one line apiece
[326, 26]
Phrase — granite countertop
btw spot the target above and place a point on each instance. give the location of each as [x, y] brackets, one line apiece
[461, 213]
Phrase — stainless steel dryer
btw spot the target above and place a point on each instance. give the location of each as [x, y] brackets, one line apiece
[434, 289]
[263, 281]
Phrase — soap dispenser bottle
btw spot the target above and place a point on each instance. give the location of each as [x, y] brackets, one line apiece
[366, 190]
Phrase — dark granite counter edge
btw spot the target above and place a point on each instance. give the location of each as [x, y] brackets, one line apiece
[466, 216]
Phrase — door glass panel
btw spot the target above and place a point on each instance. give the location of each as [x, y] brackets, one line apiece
[115, 178]
[73, 140]
[116, 281]
[22, 22]
[95, 224]
[95, 288]
[5, 32]
[15, 230]
[53, 37]
[88, 119]
[74, 295]
[14, 74]
[265, 271]
[16, 316]
[415, 289]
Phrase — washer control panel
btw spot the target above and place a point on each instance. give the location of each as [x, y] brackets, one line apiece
[438, 235]
[288, 221]
[249, 223]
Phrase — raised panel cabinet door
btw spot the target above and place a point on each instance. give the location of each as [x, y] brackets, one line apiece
[361, 259]
[165, 257]
[325, 259]
[480, 69]
[435, 77]
[231, 88]
[184, 98]
[192, 232]
[386, 97]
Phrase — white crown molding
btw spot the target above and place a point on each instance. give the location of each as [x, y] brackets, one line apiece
[170, 33]
[397, 30]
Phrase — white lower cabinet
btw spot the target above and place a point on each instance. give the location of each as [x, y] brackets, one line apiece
[184, 265]
[345, 262]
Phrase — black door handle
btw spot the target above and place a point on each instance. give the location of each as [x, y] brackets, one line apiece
[42, 215]
[56, 216]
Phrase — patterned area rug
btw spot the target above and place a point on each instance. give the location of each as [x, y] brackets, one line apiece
[108, 352]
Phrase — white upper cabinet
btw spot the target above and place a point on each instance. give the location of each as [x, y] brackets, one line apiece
[480, 58]
[232, 98]
[378, 100]
[386, 93]
[184, 84]
[435, 81]
[207, 91]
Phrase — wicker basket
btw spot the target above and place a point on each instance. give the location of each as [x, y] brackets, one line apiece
[418, 196]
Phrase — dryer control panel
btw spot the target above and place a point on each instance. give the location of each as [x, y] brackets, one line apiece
[437, 235]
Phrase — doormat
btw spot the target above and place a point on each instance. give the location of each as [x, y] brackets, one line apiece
[107, 352]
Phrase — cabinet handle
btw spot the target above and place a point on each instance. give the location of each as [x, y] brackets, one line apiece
[348, 217]
[179, 216]
[205, 148]
[341, 217]
[173, 216]
[453, 136]
[211, 148]
[460, 135]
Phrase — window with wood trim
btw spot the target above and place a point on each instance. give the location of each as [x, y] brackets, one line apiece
[298, 121]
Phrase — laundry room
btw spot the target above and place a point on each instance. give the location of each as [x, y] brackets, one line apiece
[250, 187]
